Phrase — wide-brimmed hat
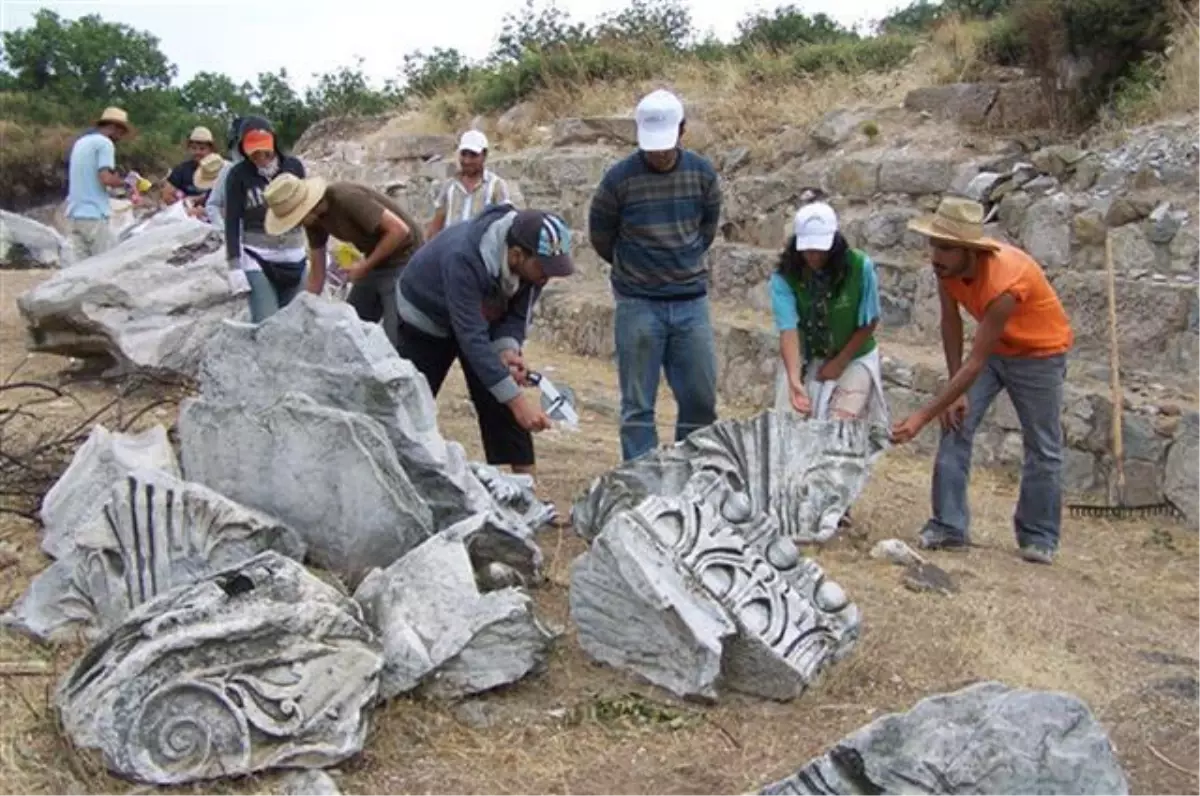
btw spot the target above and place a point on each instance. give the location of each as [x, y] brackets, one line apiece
[208, 170]
[114, 115]
[289, 199]
[201, 135]
[957, 221]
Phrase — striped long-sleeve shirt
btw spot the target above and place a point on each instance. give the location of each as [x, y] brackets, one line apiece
[655, 227]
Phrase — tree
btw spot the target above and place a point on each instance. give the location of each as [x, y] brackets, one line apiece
[656, 23]
[346, 92]
[537, 29]
[215, 96]
[105, 62]
[278, 101]
[426, 75]
[787, 27]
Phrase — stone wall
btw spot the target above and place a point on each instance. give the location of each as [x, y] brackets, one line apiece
[1060, 201]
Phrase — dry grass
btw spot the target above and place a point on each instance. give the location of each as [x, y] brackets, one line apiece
[956, 49]
[1085, 625]
[727, 101]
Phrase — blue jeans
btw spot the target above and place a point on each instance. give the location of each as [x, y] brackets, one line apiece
[675, 336]
[272, 289]
[1035, 387]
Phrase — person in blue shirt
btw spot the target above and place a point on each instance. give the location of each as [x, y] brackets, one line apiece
[92, 170]
[468, 294]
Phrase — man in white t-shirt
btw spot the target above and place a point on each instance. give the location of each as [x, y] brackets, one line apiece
[474, 189]
[92, 171]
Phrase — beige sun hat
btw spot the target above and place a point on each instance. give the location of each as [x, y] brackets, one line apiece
[201, 135]
[208, 171]
[289, 199]
[958, 221]
[114, 115]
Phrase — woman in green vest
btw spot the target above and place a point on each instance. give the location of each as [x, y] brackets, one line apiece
[825, 298]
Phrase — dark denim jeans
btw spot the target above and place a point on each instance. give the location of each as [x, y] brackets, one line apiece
[1035, 387]
[653, 336]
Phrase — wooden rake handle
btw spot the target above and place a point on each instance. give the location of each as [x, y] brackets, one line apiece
[1114, 367]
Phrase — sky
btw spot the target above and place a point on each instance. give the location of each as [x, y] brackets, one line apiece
[242, 38]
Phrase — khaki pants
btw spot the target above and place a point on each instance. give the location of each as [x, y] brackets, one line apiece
[90, 236]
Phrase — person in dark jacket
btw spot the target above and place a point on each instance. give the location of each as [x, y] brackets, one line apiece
[467, 295]
[269, 266]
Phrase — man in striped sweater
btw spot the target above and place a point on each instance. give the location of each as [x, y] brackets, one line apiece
[653, 218]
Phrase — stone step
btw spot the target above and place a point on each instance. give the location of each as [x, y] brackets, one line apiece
[578, 318]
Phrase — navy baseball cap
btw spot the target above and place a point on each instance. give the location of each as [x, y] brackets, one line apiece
[548, 237]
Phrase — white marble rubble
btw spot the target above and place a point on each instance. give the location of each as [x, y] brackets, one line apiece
[308, 782]
[155, 533]
[330, 474]
[674, 591]
[322, 349]
[149, 303]
[441, 634]
[84, 488]
[805, 474]
[25, 243]
[515, 493]
[986, 738]
[256, 667]
[501, 549]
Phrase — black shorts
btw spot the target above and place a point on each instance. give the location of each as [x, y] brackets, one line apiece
[504, 441]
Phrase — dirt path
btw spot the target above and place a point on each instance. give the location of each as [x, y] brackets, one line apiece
[1115, 621]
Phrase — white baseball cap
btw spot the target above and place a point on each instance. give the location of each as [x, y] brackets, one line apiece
[658, 117]
[815, 226]
[473, 141]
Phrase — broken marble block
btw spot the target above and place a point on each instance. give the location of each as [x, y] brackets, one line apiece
[140, 303]
[441, 634]
[83, 489]
[514, 492]
[673, 591]
[331, 475]
[804, 473]
[502, 550]
[322, 349]
[259, 666]
[155, 532]
[986, 738]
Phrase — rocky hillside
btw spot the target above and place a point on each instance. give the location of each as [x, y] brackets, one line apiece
[1060, 199]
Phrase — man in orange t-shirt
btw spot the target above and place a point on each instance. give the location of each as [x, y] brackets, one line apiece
[1020, 346]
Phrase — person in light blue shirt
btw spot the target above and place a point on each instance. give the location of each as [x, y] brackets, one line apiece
[92, 171]
[825, 299]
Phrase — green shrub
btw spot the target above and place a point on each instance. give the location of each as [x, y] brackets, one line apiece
[1081, 49]
[507, 84]
[855, 56]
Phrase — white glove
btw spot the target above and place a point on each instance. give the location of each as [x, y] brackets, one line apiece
[238, 283]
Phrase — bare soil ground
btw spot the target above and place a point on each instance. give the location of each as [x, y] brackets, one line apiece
[1114, 621]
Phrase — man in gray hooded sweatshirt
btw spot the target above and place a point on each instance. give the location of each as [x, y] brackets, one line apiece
[468, 295]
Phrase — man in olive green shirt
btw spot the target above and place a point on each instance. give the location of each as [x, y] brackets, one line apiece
[365, 218]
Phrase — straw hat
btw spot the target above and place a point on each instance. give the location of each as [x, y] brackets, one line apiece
[958, 221]
[115, 116]
[201, 135]
[208, 171]
[289, 199]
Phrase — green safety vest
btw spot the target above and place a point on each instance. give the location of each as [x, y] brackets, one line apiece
[841, 312]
